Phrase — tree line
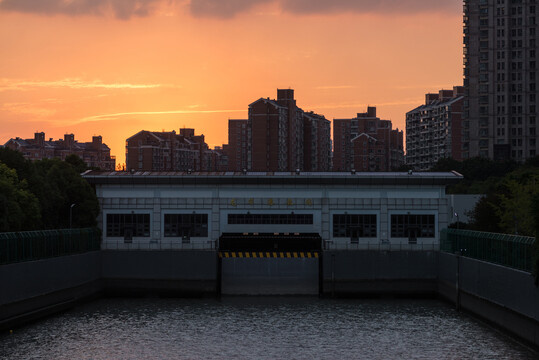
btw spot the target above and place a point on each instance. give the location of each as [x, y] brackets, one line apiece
[510, 203]
[44, 194]
[510, 189]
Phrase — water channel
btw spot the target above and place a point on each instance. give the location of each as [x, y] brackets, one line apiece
[261, 328]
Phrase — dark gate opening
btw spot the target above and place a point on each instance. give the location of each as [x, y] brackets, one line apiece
[270, 242]
[270, 263]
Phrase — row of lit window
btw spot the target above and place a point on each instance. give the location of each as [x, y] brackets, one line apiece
[196, 225]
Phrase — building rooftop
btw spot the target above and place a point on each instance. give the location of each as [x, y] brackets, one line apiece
[267, 178]
[437, 103]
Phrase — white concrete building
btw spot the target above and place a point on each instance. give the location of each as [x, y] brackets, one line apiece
[272, 211]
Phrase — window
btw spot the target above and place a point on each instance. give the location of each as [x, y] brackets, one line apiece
[271, 219]
[354, 225]
[412, 226]
[128, 225]
[186, 225]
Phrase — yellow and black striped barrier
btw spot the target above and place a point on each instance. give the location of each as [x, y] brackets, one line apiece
[268, 254]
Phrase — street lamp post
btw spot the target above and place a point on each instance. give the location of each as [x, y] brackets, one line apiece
[71, 215]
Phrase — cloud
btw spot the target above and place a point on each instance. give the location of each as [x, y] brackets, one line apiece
[122, 9]
[75, 83]
[370, 6]
[230, 8]
[114, 116]
[222, 8]
[423, 87]
[334, 87]
[28, 109]
[126, 9]
[362, 106]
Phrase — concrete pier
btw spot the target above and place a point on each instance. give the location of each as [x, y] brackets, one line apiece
[380, 273]
[168, 272]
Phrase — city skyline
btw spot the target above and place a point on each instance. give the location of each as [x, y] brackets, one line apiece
[113, 68]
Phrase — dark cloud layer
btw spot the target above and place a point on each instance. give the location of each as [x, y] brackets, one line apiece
[370, 6]
[125, 9]
[122, 9]
[229, 8]
[222, 8]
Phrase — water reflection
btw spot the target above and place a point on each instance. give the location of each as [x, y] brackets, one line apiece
[261, 328]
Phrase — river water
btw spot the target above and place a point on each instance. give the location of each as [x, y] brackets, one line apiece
[261, 328]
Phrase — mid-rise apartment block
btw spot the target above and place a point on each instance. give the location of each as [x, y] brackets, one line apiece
[169, 151]
[317, 154]
[95, 154]
[500, 79]
[282, 137]
[237, 144]
[434, 130]
[366, 143]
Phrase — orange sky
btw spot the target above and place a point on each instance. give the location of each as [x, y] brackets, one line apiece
[115, 67]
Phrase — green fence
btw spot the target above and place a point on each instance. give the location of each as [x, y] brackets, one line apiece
[35, 245]
[508, 250]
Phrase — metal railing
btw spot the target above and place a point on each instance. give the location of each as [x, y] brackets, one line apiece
[42, 244]
[382, 246]
[135, 244]
[509, 250]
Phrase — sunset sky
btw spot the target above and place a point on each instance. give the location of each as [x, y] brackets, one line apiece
[115, 67]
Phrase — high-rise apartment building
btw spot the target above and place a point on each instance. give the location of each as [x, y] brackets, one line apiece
[433, 130]
[500, 79]
[169, 151]
[94, 154]
[366, 143]
[317, 153]
[237, 144]
[282, 137]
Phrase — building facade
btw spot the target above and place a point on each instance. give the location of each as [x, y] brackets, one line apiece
[317, 154]
[434, 130]
[237, 144]
[158, 210]
[95, 154]
[280, 136]
[366, 143]
[169, 151]
[500, 79]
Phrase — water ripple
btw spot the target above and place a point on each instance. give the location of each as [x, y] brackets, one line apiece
[261, 328]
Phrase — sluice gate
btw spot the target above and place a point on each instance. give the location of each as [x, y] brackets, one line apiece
[270, 264]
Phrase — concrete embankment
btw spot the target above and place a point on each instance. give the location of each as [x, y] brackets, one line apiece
[174, 273]
[380, 273]
[503, 296]
[33, 289]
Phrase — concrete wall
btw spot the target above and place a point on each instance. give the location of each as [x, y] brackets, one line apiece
[173, 272]
[35, 288]
[270, 276]
[501, 295]
[380, 272]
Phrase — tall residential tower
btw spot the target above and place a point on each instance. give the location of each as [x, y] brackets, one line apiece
[500, 79]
